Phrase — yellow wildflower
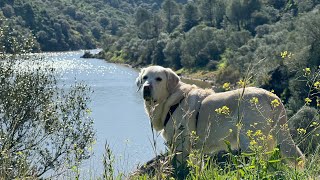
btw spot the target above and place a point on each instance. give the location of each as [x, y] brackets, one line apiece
[317, 85]
[284, 54]
[254, 100]
[258, 133]
[253, 142]
[307, 71]
[249, 132]
[275, 103]
[226, 86]
[193, 133]
[262, 138]
[300, 163]
[223, 110]
[314, 124]
[242, 83]
[269, 120]
[284, 126]
[301, 131]
[307, 101]
[239, 125]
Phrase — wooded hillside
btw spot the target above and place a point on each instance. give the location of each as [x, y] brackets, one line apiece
[61, 25]
[271, 42]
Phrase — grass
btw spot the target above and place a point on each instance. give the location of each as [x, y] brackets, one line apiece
[228, 165]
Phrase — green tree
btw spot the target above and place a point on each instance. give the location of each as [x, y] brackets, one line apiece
[212, 12]
[142, 15]
[96, 32]
[234, 13]
[104, 21]
[190, 16]
[8, 11]
[172, 53]
[239, 12]
[157, 54]
[145, 30]
[170, 11]
[44, 127]
[114, 27]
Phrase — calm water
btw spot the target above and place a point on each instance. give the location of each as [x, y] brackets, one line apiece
[117, 110]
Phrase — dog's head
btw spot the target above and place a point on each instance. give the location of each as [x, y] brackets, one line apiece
[157, 82]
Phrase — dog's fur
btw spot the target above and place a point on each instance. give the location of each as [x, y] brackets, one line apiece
[197, 112]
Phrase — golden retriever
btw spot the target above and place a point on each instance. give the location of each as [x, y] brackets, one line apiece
[240, 116]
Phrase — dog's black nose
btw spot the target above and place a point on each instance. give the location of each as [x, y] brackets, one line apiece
[147, 92]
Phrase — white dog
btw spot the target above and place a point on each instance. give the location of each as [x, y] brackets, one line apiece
[237, 116]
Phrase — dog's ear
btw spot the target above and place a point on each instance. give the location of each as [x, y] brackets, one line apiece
[139, 79]
[172, 80]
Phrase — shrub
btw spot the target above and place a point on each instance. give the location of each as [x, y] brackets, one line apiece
[45, 127]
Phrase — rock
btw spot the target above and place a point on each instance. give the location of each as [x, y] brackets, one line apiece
[87, 54]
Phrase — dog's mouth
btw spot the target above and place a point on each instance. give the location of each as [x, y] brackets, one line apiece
[147, 96]
[147, 93]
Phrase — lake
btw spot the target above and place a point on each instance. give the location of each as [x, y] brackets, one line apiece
[117, 110]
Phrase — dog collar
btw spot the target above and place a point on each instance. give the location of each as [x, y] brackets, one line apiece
[171, 111]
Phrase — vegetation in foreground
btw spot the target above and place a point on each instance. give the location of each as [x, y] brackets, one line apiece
[45, 127]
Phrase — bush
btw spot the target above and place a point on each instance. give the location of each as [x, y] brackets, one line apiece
[45, 127]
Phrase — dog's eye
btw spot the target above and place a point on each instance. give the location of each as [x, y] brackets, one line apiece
[158, 79]
[145, 77]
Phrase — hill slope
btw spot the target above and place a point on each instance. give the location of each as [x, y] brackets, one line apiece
[66, 24]
[269, 41]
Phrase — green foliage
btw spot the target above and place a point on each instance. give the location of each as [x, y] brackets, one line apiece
[45, 128]
[13, 42]
[190, 16]
[170, 11]
[228, 37]
[67, 25]
[212, 12]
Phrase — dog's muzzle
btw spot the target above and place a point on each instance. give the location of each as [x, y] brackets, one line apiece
[147, 92]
